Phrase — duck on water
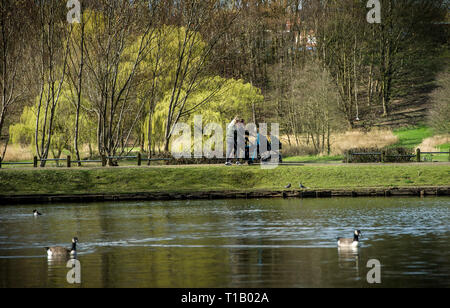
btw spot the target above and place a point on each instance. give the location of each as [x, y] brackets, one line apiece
[36, 213]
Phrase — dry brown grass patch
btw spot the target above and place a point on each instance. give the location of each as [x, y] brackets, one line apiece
[17, 153]
[344, 141]
[359, 139]
[432, 144]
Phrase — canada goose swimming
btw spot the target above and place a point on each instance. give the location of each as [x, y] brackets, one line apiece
[36, 213]
[302, 186]
[348, 242]
[61, 251]
[288, 186]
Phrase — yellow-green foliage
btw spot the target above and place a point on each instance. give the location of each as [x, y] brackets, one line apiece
[235, 97]
[215, 98]
[23, 133]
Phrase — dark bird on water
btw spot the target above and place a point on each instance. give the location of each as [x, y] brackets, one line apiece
[63, 252]
[302, 186]
[288, 186]
[36, 213]
[350, 242]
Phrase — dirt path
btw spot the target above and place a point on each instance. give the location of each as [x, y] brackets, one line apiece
[424, 164]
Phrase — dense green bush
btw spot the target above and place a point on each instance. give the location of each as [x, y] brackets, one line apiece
[366, 158]
[376, 155]
[399, 155]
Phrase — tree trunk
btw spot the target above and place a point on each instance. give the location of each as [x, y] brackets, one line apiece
[328, 140]
[167, 145]
[99, 135]
[150, 133]
[2, 119]
[80, 85]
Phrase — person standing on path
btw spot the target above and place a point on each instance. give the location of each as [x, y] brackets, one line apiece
[231, 128]
[239, 141]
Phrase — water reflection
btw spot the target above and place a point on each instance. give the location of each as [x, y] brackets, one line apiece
[233, 243]
[58, 261]
[349, 259]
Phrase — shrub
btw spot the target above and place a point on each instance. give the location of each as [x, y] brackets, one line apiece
[298, 150]
[377, 155]
[399, 155]
[351, 156]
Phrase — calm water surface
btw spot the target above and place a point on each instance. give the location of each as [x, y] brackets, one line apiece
[233, 243]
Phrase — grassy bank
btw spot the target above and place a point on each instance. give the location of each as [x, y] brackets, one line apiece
[412, 137]
[314, 159]
[216, 178]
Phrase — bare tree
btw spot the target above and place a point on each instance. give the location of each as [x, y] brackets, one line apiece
[75, 73]
[12, 40]
[111, 87]
[197, 17]
[401, 38]
[55, 34]
[439, 117]
[341, 42]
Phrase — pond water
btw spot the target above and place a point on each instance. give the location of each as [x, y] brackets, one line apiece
[230, 243]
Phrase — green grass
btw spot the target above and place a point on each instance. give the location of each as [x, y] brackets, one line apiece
[314, 159]
[440, 158]
[216, 178]
[412, 137]
[444, 147]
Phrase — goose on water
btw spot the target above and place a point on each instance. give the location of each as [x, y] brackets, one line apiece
[61, 251]
[350, 242]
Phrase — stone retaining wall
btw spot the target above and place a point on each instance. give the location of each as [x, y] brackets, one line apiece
[157, 196]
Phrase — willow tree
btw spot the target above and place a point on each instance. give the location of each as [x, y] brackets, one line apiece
[63, 130]
[233, 97]
[157, 69]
